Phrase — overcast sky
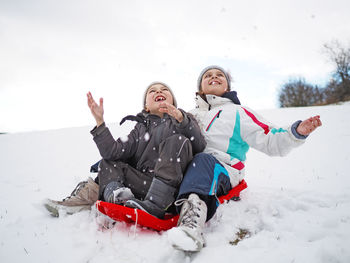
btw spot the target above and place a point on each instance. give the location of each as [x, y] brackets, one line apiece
[53, 52]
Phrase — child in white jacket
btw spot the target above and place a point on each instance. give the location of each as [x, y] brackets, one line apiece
[229, 130]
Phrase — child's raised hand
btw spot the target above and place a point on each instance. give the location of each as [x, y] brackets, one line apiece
[96, 110]
[308, 126]
[171, 110]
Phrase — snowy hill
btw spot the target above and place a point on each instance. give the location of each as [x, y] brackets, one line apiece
[296, 208]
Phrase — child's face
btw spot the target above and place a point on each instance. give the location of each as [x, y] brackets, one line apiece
[214, 82]
[156, 94]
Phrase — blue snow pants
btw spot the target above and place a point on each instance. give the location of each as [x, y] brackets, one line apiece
[206, 177]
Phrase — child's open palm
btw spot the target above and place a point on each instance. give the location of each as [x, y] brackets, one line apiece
[308, 126]
[96, 110]
[171, 110]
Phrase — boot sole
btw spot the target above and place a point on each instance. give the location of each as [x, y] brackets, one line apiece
[192, 245]
[55, 209]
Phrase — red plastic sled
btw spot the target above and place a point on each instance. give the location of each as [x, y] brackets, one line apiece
[133, 215]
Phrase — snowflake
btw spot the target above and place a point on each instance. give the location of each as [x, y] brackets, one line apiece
[147, 136]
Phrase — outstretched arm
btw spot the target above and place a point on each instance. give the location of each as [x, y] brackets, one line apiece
[96, 110]
[308, 126]
[274, 140]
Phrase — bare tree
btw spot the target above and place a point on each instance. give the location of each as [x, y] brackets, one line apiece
[297, 92]
[338, 89]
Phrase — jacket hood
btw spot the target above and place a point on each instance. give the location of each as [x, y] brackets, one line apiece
[232, 95]
[142, 117]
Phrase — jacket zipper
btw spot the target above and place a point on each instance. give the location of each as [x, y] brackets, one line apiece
[217, 115]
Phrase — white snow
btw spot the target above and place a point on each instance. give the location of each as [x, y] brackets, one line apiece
[180, 238]
[296, 208]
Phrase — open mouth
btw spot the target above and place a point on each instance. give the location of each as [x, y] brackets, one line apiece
[214, 82]
[159, 98]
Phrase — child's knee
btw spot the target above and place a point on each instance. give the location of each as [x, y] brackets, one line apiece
[204, 158]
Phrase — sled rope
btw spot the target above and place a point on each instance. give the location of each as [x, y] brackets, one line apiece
[137, 218]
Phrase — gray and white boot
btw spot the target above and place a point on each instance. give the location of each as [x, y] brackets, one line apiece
[188, 235]
[158, 199]
[83, 197]
[116, 193]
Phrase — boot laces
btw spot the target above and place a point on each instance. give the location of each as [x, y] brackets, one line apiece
[76, 190]
[190, 215]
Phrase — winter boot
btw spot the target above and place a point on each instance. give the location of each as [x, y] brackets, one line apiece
[188, 235]
[159, 197]
[116, 193]
[83, 197]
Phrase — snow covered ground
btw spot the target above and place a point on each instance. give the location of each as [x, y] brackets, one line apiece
[296, 208]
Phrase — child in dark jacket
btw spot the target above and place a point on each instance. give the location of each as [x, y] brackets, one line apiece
[145, 170]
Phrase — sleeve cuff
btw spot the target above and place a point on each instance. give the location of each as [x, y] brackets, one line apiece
[295, 133]
[98, 130]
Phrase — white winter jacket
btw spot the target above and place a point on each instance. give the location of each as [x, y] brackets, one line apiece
[230, 129]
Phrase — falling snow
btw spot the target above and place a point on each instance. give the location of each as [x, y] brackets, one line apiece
[294, 213]
[147, 136]
[124, 138]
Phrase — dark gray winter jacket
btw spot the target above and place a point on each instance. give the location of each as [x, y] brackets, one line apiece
[140, 150]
